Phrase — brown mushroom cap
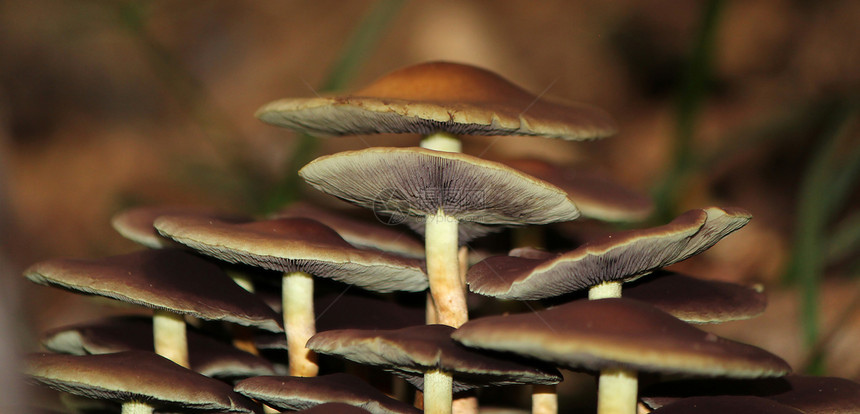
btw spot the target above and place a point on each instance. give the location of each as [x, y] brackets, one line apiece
[165, 279]
[726, 404]
[618, 333]
[440, 96]
[412, 351]
[417, 182]
[617, 257]
[296, 244]
[360, 233]
[334, 408]
[135, 224]
[596, 196]
[299, 393]
[696, 300]
[207, 356]
[135, 375]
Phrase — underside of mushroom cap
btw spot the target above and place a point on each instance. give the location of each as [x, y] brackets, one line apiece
[440, 96]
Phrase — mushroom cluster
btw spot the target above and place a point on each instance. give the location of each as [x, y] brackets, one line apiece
[216, 338]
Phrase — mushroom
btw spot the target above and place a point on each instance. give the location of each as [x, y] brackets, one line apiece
[440, 100]
[207, 355]
[334, 408]
[725, 404]
[135, 224]
[141, 381]
[171, 282]
[603, 264]
[427, 357]
[297, 393]
[618, 337]
[299, 248]
[442, 189]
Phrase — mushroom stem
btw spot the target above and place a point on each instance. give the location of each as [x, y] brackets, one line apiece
[605, 290]
[443, 270]
[137, 407]
[438, 392]
[168, 334]
[299, 322]
[544, 399]
[243, 336]
[467, 404]
[617, 391]
[441, 141]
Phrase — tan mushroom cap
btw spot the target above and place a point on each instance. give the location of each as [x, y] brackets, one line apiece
[296, 244]
[360, 233]
[618, 333]
[165, 279]
[440, 96]
[135, 375]
[412, 351]
[299, 393]
[596, 196]
[416, 182]
[136, 224]
[207, 355]
[697, 300]
[617, 257]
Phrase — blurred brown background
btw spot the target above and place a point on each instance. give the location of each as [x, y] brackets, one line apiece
[109, 104]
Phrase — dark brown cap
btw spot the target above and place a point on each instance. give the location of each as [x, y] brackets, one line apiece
[207, 355]
[299, 393]
[618, 333]
[296, 244]
[617, 257]
[597, 196]
[412, 351]
[440, 96]
[726, 404]
[697, 300]
[135, 224]
[135, 376]
[417, 182]
[334, 408]
[165, 279]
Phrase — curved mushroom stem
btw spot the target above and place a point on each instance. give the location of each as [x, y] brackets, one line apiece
[299, 322]
[442, 141]
[443, 270]
[136, 407]
[605, 290]
[438, 392]
[544, 399]
[617, 391]
[168, 334]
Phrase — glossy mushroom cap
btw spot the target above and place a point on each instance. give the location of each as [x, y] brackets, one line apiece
[412, 351]
[412, 183]
[136, 224]
[135, 376]
[618, 333]
[617, 257]
[299, 393]
[440, 96]
[207, 355]
[296, 244]
[596, 196]
[726, 404]
[166, 279]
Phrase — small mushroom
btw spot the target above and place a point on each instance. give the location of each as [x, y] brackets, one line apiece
[299, 248]
[135, 224]
[171, 282]
[141, 381]
[442, 190]
[298, 393]
[427, 357]
[618, 337]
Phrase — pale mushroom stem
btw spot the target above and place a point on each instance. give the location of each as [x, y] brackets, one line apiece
[438, 395]
[442, 141]
[443, 270]
[544, 399]
[605, 290]
[137, 407]
[168, 334]
[299, 322]
[617, 392]
[243, 336]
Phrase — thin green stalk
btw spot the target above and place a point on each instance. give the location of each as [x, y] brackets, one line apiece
[693, 94]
